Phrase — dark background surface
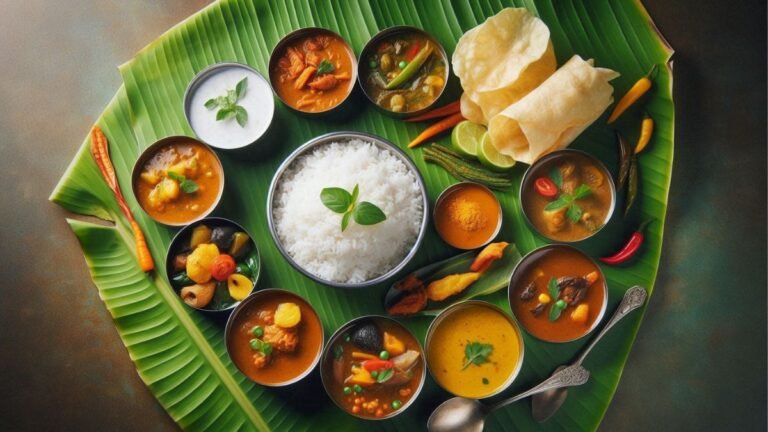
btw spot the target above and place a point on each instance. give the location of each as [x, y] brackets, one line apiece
[699, 362]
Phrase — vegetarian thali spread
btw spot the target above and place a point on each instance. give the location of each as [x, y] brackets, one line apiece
[350, 210]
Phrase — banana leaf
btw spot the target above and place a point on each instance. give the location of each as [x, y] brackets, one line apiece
[180, 353]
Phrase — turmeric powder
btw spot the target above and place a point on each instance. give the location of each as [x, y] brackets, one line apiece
[467, 214]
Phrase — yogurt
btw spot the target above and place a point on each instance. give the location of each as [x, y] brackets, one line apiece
[216, 81]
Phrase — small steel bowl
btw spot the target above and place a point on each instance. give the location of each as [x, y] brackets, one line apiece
[253, 300]
[528, 260]
[477, 303]
[289, 39]
[184, 235]
[446, 193]
[363, 67]
[326, 369]
[342, 137]
[151, 151]
[263, 117]
[540, 168]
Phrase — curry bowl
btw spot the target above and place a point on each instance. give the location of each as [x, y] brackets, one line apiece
[567, 196]
[213, 264]
[274, 337]
[373, 368]
[313, 71]
[558, 294]
[474, 349]
[403, 71]
[177, 180]
[467, 215]
[315, 239]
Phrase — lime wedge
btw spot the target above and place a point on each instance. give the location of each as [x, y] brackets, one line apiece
[466, 137]
[491, 157]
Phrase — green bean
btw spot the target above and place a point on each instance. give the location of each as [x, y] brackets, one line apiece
[411, 68]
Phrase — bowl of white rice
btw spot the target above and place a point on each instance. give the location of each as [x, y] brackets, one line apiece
[309, 234]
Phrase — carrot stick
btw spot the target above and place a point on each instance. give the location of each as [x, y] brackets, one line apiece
[451, 108]
[436, 128]
[100, 153]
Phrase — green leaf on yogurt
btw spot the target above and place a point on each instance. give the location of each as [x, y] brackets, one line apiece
[228, 106]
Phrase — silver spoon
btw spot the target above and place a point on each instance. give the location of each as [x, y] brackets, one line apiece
[468, 415]
[545, 404]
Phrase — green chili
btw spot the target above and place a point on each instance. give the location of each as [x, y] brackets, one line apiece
[632, 186]
[625, 158]
[411, 68]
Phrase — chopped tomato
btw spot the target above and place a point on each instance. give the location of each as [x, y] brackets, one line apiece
[374, 365]
[222, 266]
[411, 53]
[545, 187]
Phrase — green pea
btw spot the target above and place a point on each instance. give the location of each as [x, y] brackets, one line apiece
[257, 331]
[560, 303]
[402, 64]
[374, 374]
[396, 404]
[347, 391]
[357, 388]
[255, 344]
[384, 355]
[372, 64]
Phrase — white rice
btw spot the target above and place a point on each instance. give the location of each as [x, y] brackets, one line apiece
[311, 233]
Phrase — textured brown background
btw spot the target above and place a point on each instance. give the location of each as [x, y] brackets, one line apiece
[700, 358]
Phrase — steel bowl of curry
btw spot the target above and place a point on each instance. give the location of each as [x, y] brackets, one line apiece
[178, 180]
[213, 264]
[373, 368]
[274, 337]
[557, 293]
[567, 196]
[313, 70]
[474, 349]
[467, 215]
[403, 70]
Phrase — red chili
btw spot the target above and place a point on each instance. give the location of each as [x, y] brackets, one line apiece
[411, 53]
[629, 249]
[545, 187]
[374, 365]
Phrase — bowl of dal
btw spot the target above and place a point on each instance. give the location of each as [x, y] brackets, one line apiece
[474, 349]
[348, 209]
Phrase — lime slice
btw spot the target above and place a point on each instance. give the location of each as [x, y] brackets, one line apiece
[466, 137]
[491, 157]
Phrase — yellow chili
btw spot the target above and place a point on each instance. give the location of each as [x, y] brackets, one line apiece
[640, 88]
[646, 131]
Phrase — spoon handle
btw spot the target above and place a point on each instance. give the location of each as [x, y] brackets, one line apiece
[570, 376]
[633, 299]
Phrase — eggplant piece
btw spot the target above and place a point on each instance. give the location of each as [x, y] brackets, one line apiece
[367, 337]
[222, 237]
[201, 234]
[240, 244]
[528, 292]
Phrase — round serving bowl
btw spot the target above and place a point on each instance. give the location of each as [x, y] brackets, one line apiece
[282, 369]
[369, 54]
[458, 237]
[538, 268]
[345, 137]
[346, 339]
[472, 322]
[248, 262]
[215, 81]
[531, 201]
[293, 38]
[206, 199]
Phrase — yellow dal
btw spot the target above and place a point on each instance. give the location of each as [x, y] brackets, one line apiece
[473, 323]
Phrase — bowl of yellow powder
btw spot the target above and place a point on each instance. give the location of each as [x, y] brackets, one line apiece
[467, 215]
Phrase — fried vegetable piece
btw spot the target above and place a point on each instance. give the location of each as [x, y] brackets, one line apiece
[198, 295]
[411, 303]
[360, 376]
[450, 285]
[201, 234]
[487, 256]
[410, 283]
[393, 345]
[281, 339]
[199, 262]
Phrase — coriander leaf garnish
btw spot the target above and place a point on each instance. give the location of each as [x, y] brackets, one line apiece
[568, 200]
[557, 177]
[563, 201]
[228, 106]
[385, 375]
[325, 67]
[339, 200]
[186, 185]
[476, 353]
[552, 288]
[574, 212]
[582, 191]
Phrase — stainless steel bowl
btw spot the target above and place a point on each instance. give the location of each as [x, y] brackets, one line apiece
[536, 170]
[362, 66]
[447, 191]
[342, 137]
[328, 354]
[532, 257]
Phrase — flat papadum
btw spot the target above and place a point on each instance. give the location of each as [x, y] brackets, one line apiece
[555, 113]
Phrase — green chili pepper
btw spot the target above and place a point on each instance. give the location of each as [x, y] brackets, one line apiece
[411, 68]
[632, 186]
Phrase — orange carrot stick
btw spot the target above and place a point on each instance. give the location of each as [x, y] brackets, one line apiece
[436, 128]
[451, 108]
[100, 153]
